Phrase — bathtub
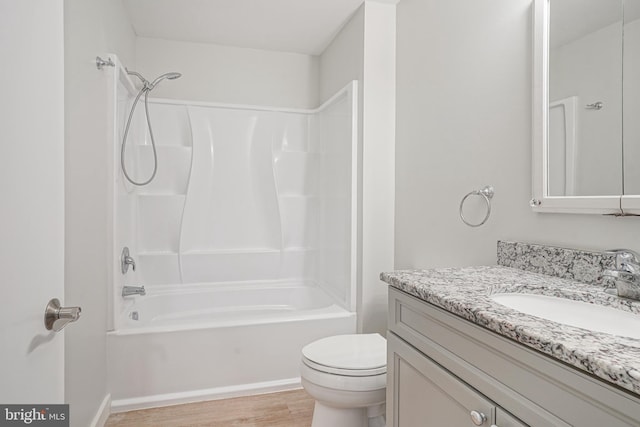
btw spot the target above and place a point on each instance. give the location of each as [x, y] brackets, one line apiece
[182, 344]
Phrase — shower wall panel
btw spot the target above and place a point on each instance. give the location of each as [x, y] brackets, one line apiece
[243, 194]
[232, 201]
[335, 133]
[160, 205]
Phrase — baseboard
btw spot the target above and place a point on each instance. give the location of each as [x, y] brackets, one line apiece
[101, 416]
[158, 400]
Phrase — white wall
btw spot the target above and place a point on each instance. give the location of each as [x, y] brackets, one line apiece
[364, 50]
[378, 160]
[463, 121]
[343, 59]
[225, 74]
[92, 27]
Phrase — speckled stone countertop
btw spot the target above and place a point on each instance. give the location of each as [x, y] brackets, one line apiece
[465, 292]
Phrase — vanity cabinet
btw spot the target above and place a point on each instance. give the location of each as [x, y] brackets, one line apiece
[425, 394]
[441, 368]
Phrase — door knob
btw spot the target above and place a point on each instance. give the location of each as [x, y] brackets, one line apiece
[57, 317]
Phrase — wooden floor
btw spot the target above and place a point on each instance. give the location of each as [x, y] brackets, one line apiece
[285, 409]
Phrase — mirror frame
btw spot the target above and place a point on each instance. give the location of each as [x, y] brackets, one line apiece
[541, 200]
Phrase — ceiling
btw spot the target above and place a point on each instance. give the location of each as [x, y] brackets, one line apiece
[301, 26]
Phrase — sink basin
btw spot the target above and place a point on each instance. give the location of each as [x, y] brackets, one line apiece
[580, 314]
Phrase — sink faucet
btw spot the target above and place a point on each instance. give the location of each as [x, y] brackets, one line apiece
[626, 275]
[133, 290]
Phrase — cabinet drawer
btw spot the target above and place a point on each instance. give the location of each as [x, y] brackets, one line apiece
[424, 394]
[505, 419]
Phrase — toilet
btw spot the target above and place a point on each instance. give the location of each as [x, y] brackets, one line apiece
[347, 377]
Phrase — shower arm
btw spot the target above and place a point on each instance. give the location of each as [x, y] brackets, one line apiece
[145, 83]
[149, 86]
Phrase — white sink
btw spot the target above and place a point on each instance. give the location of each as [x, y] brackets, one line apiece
[581, 314]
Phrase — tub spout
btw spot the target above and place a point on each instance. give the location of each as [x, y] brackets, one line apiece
[133, 290]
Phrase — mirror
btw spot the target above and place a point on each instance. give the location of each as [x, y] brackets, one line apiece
[631, 97]
[585, 98]
[586, 106]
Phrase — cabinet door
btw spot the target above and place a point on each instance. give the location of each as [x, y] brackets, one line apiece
[423, 394]
[505, 419]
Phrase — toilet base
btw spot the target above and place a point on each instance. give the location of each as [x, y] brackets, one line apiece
[328, 416]
[348, 392]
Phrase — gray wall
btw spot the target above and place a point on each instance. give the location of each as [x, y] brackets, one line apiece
[463, 121]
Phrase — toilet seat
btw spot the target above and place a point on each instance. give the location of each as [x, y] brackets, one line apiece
[342, 382]
[344, 372]
[354, 355]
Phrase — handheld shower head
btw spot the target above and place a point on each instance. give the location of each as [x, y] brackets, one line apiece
[145, 90]
[170, 76]
[150, 85]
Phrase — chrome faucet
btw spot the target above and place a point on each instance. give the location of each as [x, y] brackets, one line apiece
[626, 275]
[133, 290]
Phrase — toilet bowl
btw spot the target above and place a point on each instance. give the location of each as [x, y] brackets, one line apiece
[347, 377]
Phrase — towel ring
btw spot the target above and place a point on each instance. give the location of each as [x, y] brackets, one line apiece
[487, 193]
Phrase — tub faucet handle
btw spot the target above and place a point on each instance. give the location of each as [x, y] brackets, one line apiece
[126, 260]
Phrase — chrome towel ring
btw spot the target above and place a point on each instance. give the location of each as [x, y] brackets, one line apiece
[487, 193]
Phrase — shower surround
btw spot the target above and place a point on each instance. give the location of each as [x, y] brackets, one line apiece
[245, 242]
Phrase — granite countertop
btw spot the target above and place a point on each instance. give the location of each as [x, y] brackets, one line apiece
[465, 292]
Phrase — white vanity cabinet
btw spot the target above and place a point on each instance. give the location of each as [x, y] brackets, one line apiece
[446, 371]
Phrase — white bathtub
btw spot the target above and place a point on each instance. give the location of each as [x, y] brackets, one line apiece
[211, 341]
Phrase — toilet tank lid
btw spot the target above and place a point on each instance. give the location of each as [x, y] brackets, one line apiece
[354, 351]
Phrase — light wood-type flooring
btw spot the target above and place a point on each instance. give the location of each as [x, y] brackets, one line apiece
[286, 409]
